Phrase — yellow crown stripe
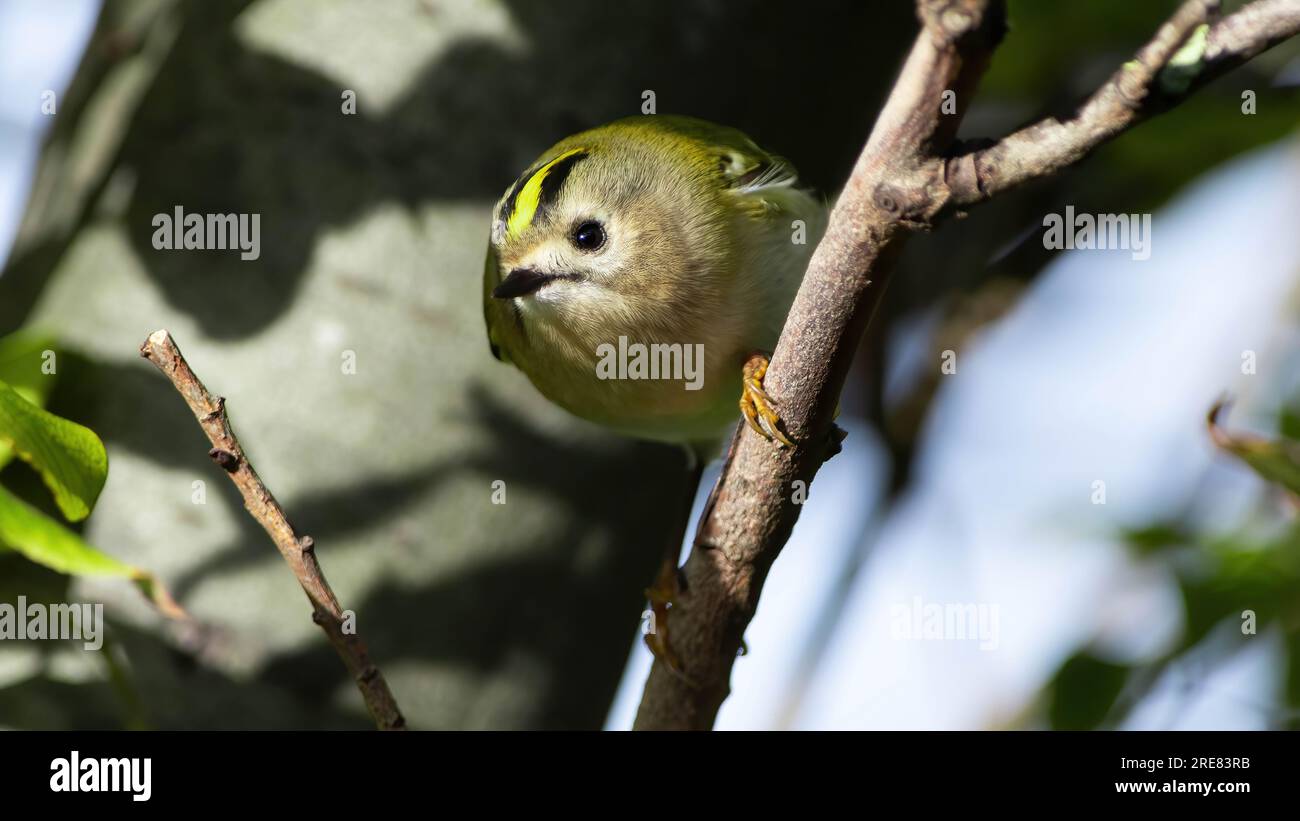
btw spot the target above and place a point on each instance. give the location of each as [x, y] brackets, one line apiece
[530, 196]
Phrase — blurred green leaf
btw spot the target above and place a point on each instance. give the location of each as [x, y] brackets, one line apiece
[22, 355]
[69, 457]
[1238, 576]
[47, 542]
[1289, 423]
[22, 358]
[1155, 537]
[1084, 691]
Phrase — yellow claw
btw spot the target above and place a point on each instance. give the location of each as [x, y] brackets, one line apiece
[663, 598]
[757, 406]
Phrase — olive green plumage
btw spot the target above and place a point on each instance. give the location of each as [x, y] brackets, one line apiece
[658, 229]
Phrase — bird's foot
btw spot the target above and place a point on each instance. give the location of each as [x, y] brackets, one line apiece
[756, 406]
[663, 597]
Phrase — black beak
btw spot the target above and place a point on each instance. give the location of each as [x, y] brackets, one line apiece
[522, 282]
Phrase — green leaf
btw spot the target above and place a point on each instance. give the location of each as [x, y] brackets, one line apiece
[1083, 692]
[1288, 423]
[45, 541]
[1237, 572]
[1277, 461]
[69, 457]
[1155, 537]
[22, 365]
[22, 361]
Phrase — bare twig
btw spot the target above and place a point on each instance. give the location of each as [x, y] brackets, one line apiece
[910, 175]
[298, 551]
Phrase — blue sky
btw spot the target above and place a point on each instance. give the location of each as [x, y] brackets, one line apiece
[40, 44]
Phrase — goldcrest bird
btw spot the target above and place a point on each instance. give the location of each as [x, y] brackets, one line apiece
[664, 232]
[666, 238]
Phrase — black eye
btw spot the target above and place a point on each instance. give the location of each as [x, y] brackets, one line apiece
[589, 236]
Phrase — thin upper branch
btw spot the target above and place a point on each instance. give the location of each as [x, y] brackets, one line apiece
[1145, 86]
[909, 176]
[298, 551]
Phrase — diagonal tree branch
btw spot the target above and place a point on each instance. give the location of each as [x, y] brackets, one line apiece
[298, 551]
[909, 176]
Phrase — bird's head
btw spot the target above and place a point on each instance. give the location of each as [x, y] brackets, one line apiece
[622, 230]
